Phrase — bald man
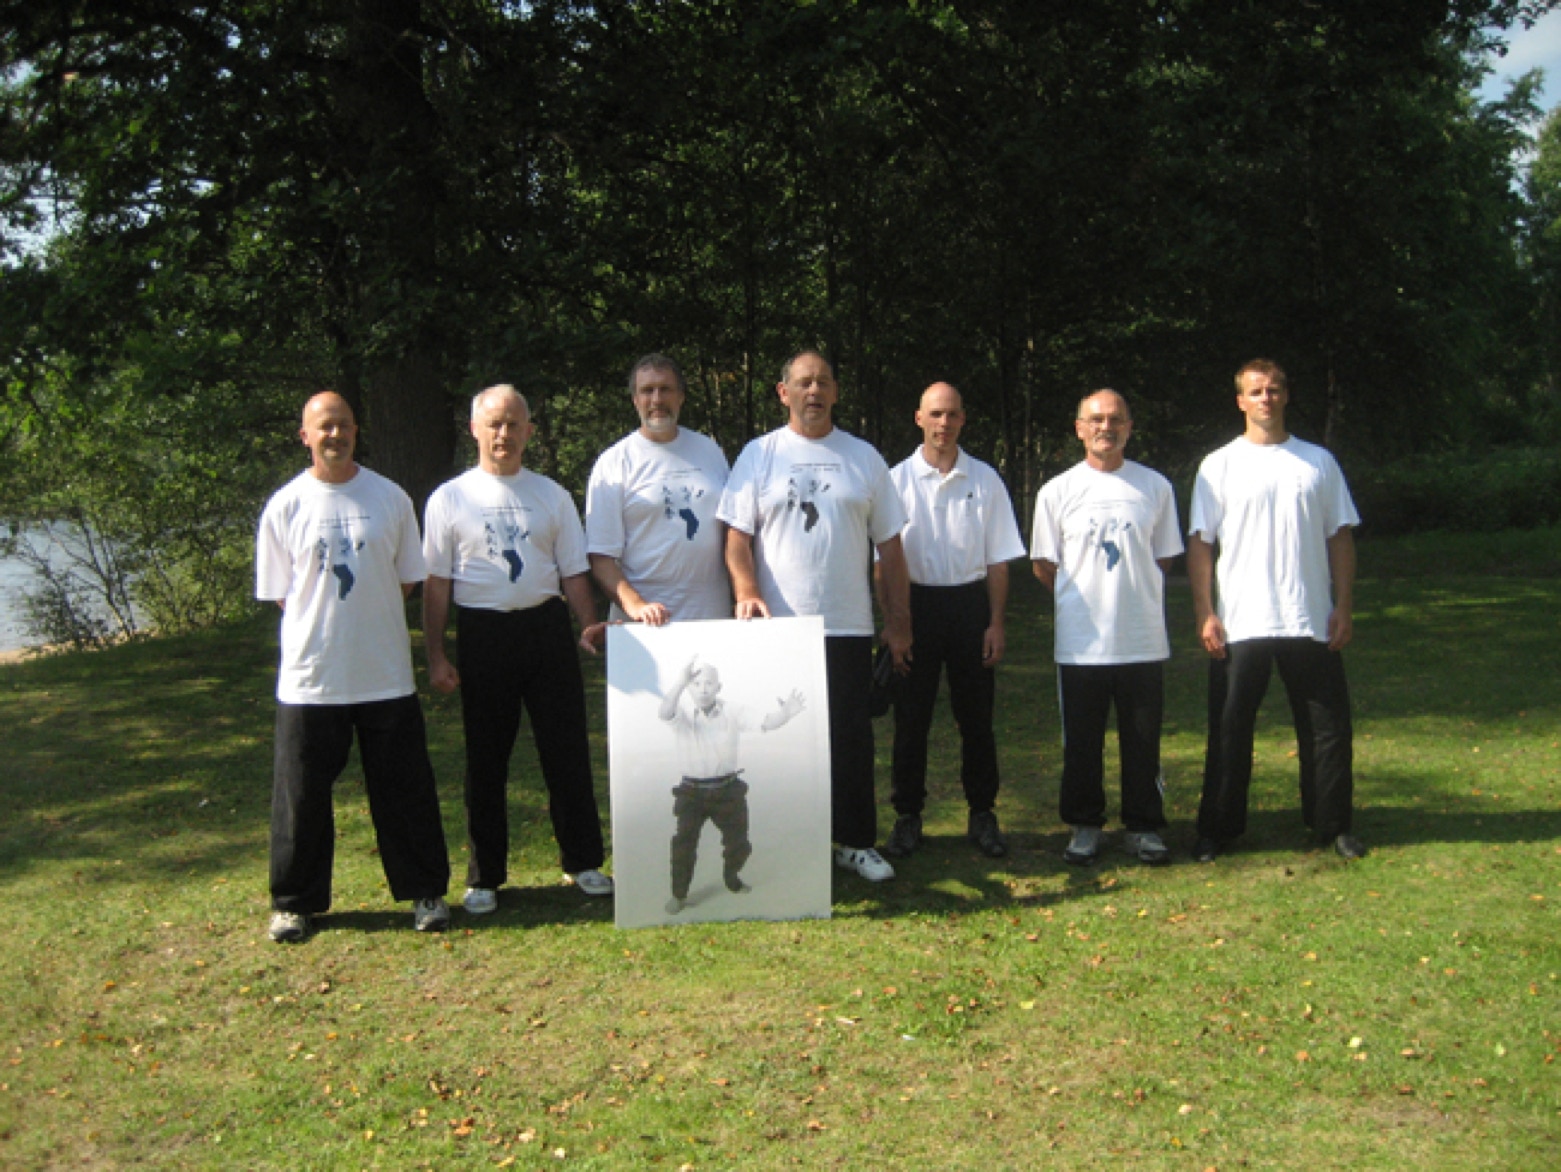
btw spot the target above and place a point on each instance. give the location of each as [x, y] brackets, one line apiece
[1105, 533]
[337, 550]
[505, 546]
[960, 538]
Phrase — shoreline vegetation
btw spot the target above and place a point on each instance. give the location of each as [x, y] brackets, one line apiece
[1278, 1008]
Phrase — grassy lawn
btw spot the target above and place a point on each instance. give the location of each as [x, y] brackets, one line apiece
[1279, 1008]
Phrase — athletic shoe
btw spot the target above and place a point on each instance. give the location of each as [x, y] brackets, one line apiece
[1349, 847]
[1084, 848]
[593, 882]
[480, 901]
[1147, 845]
[289, 927]
[430, 915]
[867, 863]
[905, 837]
[982, 830]
[1206, 849]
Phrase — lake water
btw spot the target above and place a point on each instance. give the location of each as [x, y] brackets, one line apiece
[15, 578]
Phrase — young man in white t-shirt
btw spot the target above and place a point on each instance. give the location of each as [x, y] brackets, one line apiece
[505, 547]
[337, 550]
[1281, 515]
[1105, 533]
[655, 546]
[805, 507]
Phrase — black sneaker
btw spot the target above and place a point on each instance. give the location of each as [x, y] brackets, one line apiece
[905, 837]
[1205, 850]
[1349, 847]
[982, 830]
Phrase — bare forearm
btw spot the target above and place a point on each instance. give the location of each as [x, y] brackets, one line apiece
[577, 592]
[997, 593]
[436, 613]
[1200, 576]
[1341, 567]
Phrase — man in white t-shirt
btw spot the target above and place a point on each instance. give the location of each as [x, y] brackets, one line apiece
[1281, 515]
[1105, 533]
[805, 507]
[655, 546]
[960, 537]
[337, 550]
[505, 546]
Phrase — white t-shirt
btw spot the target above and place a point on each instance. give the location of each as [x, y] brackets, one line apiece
[653, 507]
[1271, 509]
[505, 541]
[1105, 532]
[337, 555]
[815, 508]
[959, 524]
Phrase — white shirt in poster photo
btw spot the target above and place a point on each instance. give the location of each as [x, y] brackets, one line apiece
[767, 724]
[1270, 509]
[816, 509]
[337, 556]
[504, 541]
[1105, 532]
[958, 524]
[653, 507]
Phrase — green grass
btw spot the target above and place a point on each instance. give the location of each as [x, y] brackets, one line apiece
[1277, 1009]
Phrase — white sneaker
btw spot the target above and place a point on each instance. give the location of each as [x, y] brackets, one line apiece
[1147, 845]
[289, 927]
[430, 915]
[867, 863]
[592, 882]
[480, 901]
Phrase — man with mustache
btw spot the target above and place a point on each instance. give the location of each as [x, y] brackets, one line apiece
[655, 546]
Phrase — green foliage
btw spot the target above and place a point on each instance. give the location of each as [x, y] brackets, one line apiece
[1477, 493]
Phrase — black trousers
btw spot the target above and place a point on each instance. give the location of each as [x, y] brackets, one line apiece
[848, 664]
[1086, 693]
[1319, 695]
[726, 805]
[506, 659]
[313, 743]
[948, 627]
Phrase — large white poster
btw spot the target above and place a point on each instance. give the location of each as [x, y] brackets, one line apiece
[718, 736]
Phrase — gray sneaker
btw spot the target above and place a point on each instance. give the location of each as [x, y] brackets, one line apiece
[430, 915]
[982, 830]
[592, 882]
[905, 837]
[1148, 846]
[480, 901]
[1084, 848]
[289, 927]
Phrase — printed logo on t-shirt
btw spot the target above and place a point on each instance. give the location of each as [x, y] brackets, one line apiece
[805, 486]
[1110, 535]
[503, 531]
[335, 549]
[677, 504]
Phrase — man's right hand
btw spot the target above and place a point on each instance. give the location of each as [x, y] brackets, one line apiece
[443, 676]
[1213, 636]
[751, 608]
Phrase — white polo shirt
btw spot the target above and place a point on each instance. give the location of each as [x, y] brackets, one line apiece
[959, 524]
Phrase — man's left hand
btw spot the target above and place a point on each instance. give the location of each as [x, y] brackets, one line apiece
[1341, 629]
[897, 637]
[993, 644]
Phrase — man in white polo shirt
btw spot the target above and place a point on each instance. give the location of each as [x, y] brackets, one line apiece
[1105, 533]
[960, 537]
[505, 545]
[804, 508]
[1281, 515]
[337, 550]
[656, 548]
